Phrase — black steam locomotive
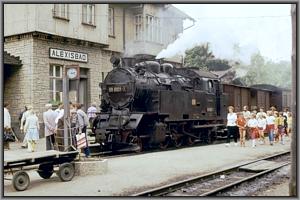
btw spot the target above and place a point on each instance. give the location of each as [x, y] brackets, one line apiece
[147, 104]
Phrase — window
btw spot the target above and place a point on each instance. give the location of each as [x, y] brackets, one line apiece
[138, 27]
[61, 11]
[210, 86]
[56, 88]
[153, 32]
[88, 14]
[111, 22]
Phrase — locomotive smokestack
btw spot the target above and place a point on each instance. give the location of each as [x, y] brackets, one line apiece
[115, 61]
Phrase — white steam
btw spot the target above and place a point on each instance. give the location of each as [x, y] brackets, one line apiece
[223, 35]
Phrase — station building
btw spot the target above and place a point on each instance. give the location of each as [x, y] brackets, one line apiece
[42, 39]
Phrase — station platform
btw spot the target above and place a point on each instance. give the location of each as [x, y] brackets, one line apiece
[131, 174]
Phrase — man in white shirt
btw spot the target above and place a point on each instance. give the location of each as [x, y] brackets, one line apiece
[91, 112]
[49, 120]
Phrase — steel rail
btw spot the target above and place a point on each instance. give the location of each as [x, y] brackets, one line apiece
[159, 191]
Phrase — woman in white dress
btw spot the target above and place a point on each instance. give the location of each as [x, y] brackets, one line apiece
[31, 129]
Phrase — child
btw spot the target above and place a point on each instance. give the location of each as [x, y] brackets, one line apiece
[276, 124]
[270, 126]
[252, 124]
[281, 128]
[262, 123]
[241, 123]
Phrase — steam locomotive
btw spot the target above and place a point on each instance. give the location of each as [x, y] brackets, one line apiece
[147, 104]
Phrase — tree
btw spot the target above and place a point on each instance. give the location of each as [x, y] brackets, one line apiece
[202, 57]
[262, 71]
[217, 65]
[198, 56]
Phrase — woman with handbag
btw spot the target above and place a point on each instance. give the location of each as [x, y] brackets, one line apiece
[31, 129]
[83, 123]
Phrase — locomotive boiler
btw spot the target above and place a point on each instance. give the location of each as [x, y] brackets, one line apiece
[148, 104]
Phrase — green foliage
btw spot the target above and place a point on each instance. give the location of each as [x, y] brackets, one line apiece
[218, 65]
[202, 57]
[262, 71]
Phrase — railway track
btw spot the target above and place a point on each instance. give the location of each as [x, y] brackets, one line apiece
[214, 183]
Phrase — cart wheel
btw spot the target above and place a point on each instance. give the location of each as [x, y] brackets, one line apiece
[21, 180]
[45, 171]
[66, 172]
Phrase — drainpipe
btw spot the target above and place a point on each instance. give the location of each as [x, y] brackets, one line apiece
[124, 15]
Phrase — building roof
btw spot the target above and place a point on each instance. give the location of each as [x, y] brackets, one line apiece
[11, 60]
[222, 73]
[269, 87]
[194, 72]
[180, 13]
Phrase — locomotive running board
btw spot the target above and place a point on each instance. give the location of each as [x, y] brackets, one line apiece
[207, 126]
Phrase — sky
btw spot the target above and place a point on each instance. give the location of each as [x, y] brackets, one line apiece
[254, 27]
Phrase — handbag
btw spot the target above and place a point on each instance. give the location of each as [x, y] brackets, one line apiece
[81, 140]
[8, 136]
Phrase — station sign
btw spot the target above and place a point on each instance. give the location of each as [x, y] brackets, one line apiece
[68, 55]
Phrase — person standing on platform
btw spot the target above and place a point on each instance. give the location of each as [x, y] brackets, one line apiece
[7, 123]
[270, 126]
[91, 112]
[276, 126]
[252, 124]
[261, 112]
[241, 123]
[262, 124]
[60, 107]
[290, 123]
[232, 128]
[49, 120]
[273, 110]
[281, 129]
[74, 124]
[31, 129]
[286, 112]
[23, 121]
[21, 115]
[247, 116]
[83, 123]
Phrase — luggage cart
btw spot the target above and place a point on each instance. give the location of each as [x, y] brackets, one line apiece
[45, 162]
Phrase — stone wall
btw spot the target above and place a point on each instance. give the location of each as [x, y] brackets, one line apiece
[30, 85]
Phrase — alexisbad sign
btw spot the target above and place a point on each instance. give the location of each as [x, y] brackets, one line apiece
[68, 55]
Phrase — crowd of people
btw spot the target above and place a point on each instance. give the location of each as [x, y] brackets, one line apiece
[254, 125]
[248, 125]
[53, 121]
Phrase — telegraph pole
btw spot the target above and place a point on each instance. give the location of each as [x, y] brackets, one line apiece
[66, 108]
[293, 179]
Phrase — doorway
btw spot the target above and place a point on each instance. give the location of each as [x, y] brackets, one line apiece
[82, 96]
